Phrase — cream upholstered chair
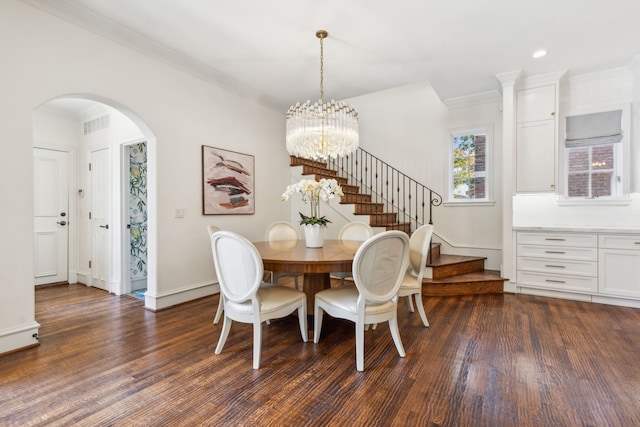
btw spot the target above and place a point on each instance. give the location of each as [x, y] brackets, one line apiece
[378, 269]
[239, 270]
[212, 229]
[282, 230]
[419, 245]
[355, 230]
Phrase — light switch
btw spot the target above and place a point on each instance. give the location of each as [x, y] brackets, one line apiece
[179, 213]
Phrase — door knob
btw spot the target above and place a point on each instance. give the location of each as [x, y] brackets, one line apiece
[104, 226]
[62, 222]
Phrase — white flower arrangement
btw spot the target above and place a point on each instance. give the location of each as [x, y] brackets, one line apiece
[312, 192]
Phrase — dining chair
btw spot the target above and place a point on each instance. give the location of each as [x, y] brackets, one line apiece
[419, 245]
[378, 269]
[283, 230]
[212, 229]
[356, 230]
[239, 270]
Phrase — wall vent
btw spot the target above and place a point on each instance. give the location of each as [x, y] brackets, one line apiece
[97, 124]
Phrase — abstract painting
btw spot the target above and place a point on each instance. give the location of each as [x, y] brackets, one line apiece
[227, 182]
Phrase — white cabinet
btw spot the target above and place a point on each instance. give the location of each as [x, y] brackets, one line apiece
[557, 261]
[600, 267]
[536, 139]
[535, 157]
[536, 104]
[619, 261]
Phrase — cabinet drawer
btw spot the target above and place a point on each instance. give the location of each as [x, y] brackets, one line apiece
[619, 241]
[556, 281]
[558, 239]
[558, 252]
[557, 266]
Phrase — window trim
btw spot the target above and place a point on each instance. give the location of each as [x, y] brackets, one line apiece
[624, 153]
[451, 134]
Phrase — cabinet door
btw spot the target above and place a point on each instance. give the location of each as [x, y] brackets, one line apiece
[536, 104]
[619, 273]
[536, 156]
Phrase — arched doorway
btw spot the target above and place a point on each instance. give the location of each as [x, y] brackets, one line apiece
[96, 135]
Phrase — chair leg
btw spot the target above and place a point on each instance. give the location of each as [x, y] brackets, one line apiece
[226, 327]
[395, 333]
[219, 310]
[359, 346]
[295, 280]
[302, 319]
[317, 322]
[410, 303]
[257, 343]
[420, 306]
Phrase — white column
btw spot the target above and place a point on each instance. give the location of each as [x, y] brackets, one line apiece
[508, 81]
[635, 122]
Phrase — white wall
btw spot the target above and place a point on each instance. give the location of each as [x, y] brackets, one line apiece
[44, 58]
[408, 127]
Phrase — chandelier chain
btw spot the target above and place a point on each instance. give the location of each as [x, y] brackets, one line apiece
[321, 69]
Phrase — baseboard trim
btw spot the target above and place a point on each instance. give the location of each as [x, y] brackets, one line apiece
[82, 278]
[163, 300]
[509, 287]
[598, 299]
[19, 337]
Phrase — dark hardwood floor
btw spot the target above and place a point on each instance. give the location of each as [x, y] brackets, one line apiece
[486, 360]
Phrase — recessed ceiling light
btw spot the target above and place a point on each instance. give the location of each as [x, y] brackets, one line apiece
[539, 53]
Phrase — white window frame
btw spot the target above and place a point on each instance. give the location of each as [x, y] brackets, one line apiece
[622, 159]
[451, 134]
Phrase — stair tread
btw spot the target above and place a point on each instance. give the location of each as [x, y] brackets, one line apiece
[364, 203]
[479, 276]
[445, 259]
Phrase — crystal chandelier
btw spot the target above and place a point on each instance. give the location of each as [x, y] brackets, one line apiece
[323, 129]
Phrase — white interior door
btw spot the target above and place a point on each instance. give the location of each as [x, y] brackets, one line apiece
[51, 216]
[99, 215]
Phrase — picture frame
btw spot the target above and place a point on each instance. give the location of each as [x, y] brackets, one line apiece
[228, 182]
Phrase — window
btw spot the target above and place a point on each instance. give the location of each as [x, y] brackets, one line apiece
[593, 153]
[469, 154]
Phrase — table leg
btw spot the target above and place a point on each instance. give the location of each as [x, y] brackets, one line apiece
[314, 283]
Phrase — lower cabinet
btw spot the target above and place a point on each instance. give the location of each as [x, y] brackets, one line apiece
[619, 263]
[586, 266]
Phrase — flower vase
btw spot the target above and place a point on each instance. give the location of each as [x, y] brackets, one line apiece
[314, 235]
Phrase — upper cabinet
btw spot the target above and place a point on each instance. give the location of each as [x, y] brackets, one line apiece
[536, 139]
[536, 104]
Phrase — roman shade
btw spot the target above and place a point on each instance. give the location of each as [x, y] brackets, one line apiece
[594, 129]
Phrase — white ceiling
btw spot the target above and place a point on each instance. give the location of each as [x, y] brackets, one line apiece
[267, 50]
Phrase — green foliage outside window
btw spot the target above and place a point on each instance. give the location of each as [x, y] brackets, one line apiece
[464, 161]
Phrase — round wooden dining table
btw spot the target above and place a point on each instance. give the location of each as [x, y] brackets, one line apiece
[293, 256]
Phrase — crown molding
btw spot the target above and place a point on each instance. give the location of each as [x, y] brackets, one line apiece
[528, 82]
[483, 98]
[509, 78]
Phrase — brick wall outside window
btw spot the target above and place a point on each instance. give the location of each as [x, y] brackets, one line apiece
[590, 171]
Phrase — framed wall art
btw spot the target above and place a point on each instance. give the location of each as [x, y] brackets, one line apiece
[228, 182]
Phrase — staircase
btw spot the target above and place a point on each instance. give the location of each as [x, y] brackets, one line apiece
[448, 274]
